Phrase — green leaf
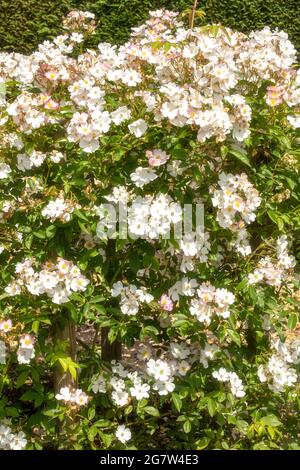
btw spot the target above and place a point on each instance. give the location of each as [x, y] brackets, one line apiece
[81, 215]
[103, 423]
[40, 234]
[92, 433]
[275, 217]
[112, 335]
[211, 407]
[150, 410]
[187, 426]
[12, 411]
[202, 443]
[72, 371]
[22, 378]
[271, 420]
[242, 157]
[292, 321]
[97, 299]
[234, 336]
[177, 401]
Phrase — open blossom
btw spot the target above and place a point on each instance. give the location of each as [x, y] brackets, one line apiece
[27, 341]
[138, 128]
[161, 370]
[120, 115]
[166, 303]
[99, 385]
[157, 157]
[131, 77]
[5, 325]
[59, 209]
[26, 350]
[179, 350]
[142, 176]
[123, 434]
[5, 170]
[56, 156]
[139, 390]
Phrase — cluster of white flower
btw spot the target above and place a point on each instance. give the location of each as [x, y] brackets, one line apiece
[122, 391]
[57, 280]
[60, 209]
[200, 56]
[211, 301]
[26, 350]
[26, 114]
[27, 162]
[268, 54]
[152, 216]
[131, 297]
[9, 440]
[119, 394]
[274, 273]
[184, 287]
[164, 76]
[119, 194]
[197, 89]
[277, 371]
[237, 388]
[195, 247]
[236, 201]
[163, 372]
[154, 374]
[77, 396]
[79, 20]
[87, 128]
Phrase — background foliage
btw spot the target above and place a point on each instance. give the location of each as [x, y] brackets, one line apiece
[25, 23]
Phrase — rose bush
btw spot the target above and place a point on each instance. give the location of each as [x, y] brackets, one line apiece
[176, 118]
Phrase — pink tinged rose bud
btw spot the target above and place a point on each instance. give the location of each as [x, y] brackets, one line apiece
[166, 303]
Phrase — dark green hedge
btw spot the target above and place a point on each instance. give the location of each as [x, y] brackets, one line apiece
[25, 23]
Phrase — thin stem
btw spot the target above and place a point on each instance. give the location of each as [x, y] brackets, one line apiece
[193, 13]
